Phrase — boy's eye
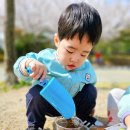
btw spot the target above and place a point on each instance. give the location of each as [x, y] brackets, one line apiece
[69, 51]
[83, 55]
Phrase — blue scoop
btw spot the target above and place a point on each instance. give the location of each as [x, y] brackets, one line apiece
[55, 93]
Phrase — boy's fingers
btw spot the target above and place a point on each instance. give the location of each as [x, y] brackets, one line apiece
[38, 74]
[92, 112]
[33, 66]
[43, 76]
[38, 71]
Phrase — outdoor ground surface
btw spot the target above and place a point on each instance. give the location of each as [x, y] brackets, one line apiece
[12, 109]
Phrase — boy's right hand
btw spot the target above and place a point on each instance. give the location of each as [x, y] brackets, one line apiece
[38, 69]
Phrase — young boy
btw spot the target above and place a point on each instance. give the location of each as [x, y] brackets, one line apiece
[119, 107]
[79, 29]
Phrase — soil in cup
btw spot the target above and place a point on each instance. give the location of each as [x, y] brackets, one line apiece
[70, 124]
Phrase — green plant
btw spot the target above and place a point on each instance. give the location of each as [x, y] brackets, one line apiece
[28, 42]
[21, 84]
[116, 47]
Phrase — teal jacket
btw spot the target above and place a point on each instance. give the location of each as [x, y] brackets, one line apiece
[73, 81]
[124, 105]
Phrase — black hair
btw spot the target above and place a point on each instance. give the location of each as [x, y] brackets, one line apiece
[80, 18]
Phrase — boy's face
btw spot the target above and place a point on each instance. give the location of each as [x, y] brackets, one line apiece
[72, 53]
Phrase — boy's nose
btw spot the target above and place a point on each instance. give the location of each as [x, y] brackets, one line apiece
[75, 58]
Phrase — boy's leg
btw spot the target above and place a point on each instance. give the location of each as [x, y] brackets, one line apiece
[112, 108]
[37, 108]
[85, 101]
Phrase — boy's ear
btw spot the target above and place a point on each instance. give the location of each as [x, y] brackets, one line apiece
[56, 40]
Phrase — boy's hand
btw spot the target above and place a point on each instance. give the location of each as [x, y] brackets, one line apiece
[38, 69]
[92, 112]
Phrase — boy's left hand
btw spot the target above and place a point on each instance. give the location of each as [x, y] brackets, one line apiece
[92, 112]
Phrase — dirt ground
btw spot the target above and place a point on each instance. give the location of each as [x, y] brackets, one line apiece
[12, 109]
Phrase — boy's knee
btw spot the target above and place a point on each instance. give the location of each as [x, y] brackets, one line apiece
[89, 93]
[91, 90]
[35, 90]
[33, 95]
